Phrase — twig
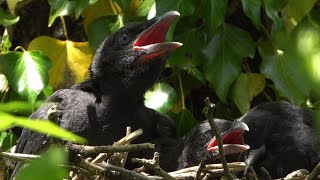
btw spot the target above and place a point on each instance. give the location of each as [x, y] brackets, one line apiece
[87, 150]
[129, 173]
[315, 172]
[235, 166]
[132, 136]
[19, 156]
[200, 168]
[154, 165]
[124, 160]
[265, 173]
[208, 111]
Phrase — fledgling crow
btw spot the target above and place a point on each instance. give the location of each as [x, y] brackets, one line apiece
[192, 148]
[281, 137]
[124, 67]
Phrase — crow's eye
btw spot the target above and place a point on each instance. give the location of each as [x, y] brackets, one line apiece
[124, 39]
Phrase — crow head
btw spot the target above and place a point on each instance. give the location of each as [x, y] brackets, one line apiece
[132, 59]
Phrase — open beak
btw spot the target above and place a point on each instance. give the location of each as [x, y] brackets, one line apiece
[151, 40]
[232, 139]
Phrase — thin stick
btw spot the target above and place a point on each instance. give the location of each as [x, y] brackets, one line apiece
[208, 111]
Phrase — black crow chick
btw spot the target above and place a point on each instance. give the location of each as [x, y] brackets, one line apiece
[124, 67]
[282, 139]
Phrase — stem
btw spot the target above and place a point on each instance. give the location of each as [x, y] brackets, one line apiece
[181, 91]
[208, 111]
[19, 47]
[65, 32]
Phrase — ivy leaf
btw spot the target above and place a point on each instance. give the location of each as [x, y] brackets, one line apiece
[101, 28]
[7, 140]
[48, 166]
[214, 12]
[60, 8]
[295, 10]
[7, 19]
[27, 72]
[144, 8]
[285, 68]
[124, 5]
[161, 98]
[246, 87]
[42, 126]
[99, 9]
[185, 7]
[80, 5]
[70, 60]
[252, 9]
[272, 7]
[184, 121]
[224, 57]
[12, 5]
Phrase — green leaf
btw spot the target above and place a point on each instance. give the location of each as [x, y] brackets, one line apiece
[7, 19]
[19, 107]
[144, 8]
[80, 5]
[214, 14]
[102, 27]
[184, 121]
[272, 7]
[12, 5]
[124, 5]
[161, 98]
[246, 87]
[3, 83]
[295, 10]
[291, 61]
[224, 57]
[60, 8]
[197, 74]
[185, 7]
[27, 72]
[7, 140]
[5, 44]
[48, 166]
[252, 9]
[42, 126]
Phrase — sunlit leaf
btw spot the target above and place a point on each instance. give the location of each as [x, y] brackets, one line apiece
[161, 98]
[214, 14]
[42, 126]
[295, 10]
[292, 65]
[70, 60]
[12, 5]
[27, 72]
[7, 19]
[99, 9]
[246, 87]
[48, 166]
[224, 54]
[60, 8]
[101, 28]
[184, 121]
[252, 9]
